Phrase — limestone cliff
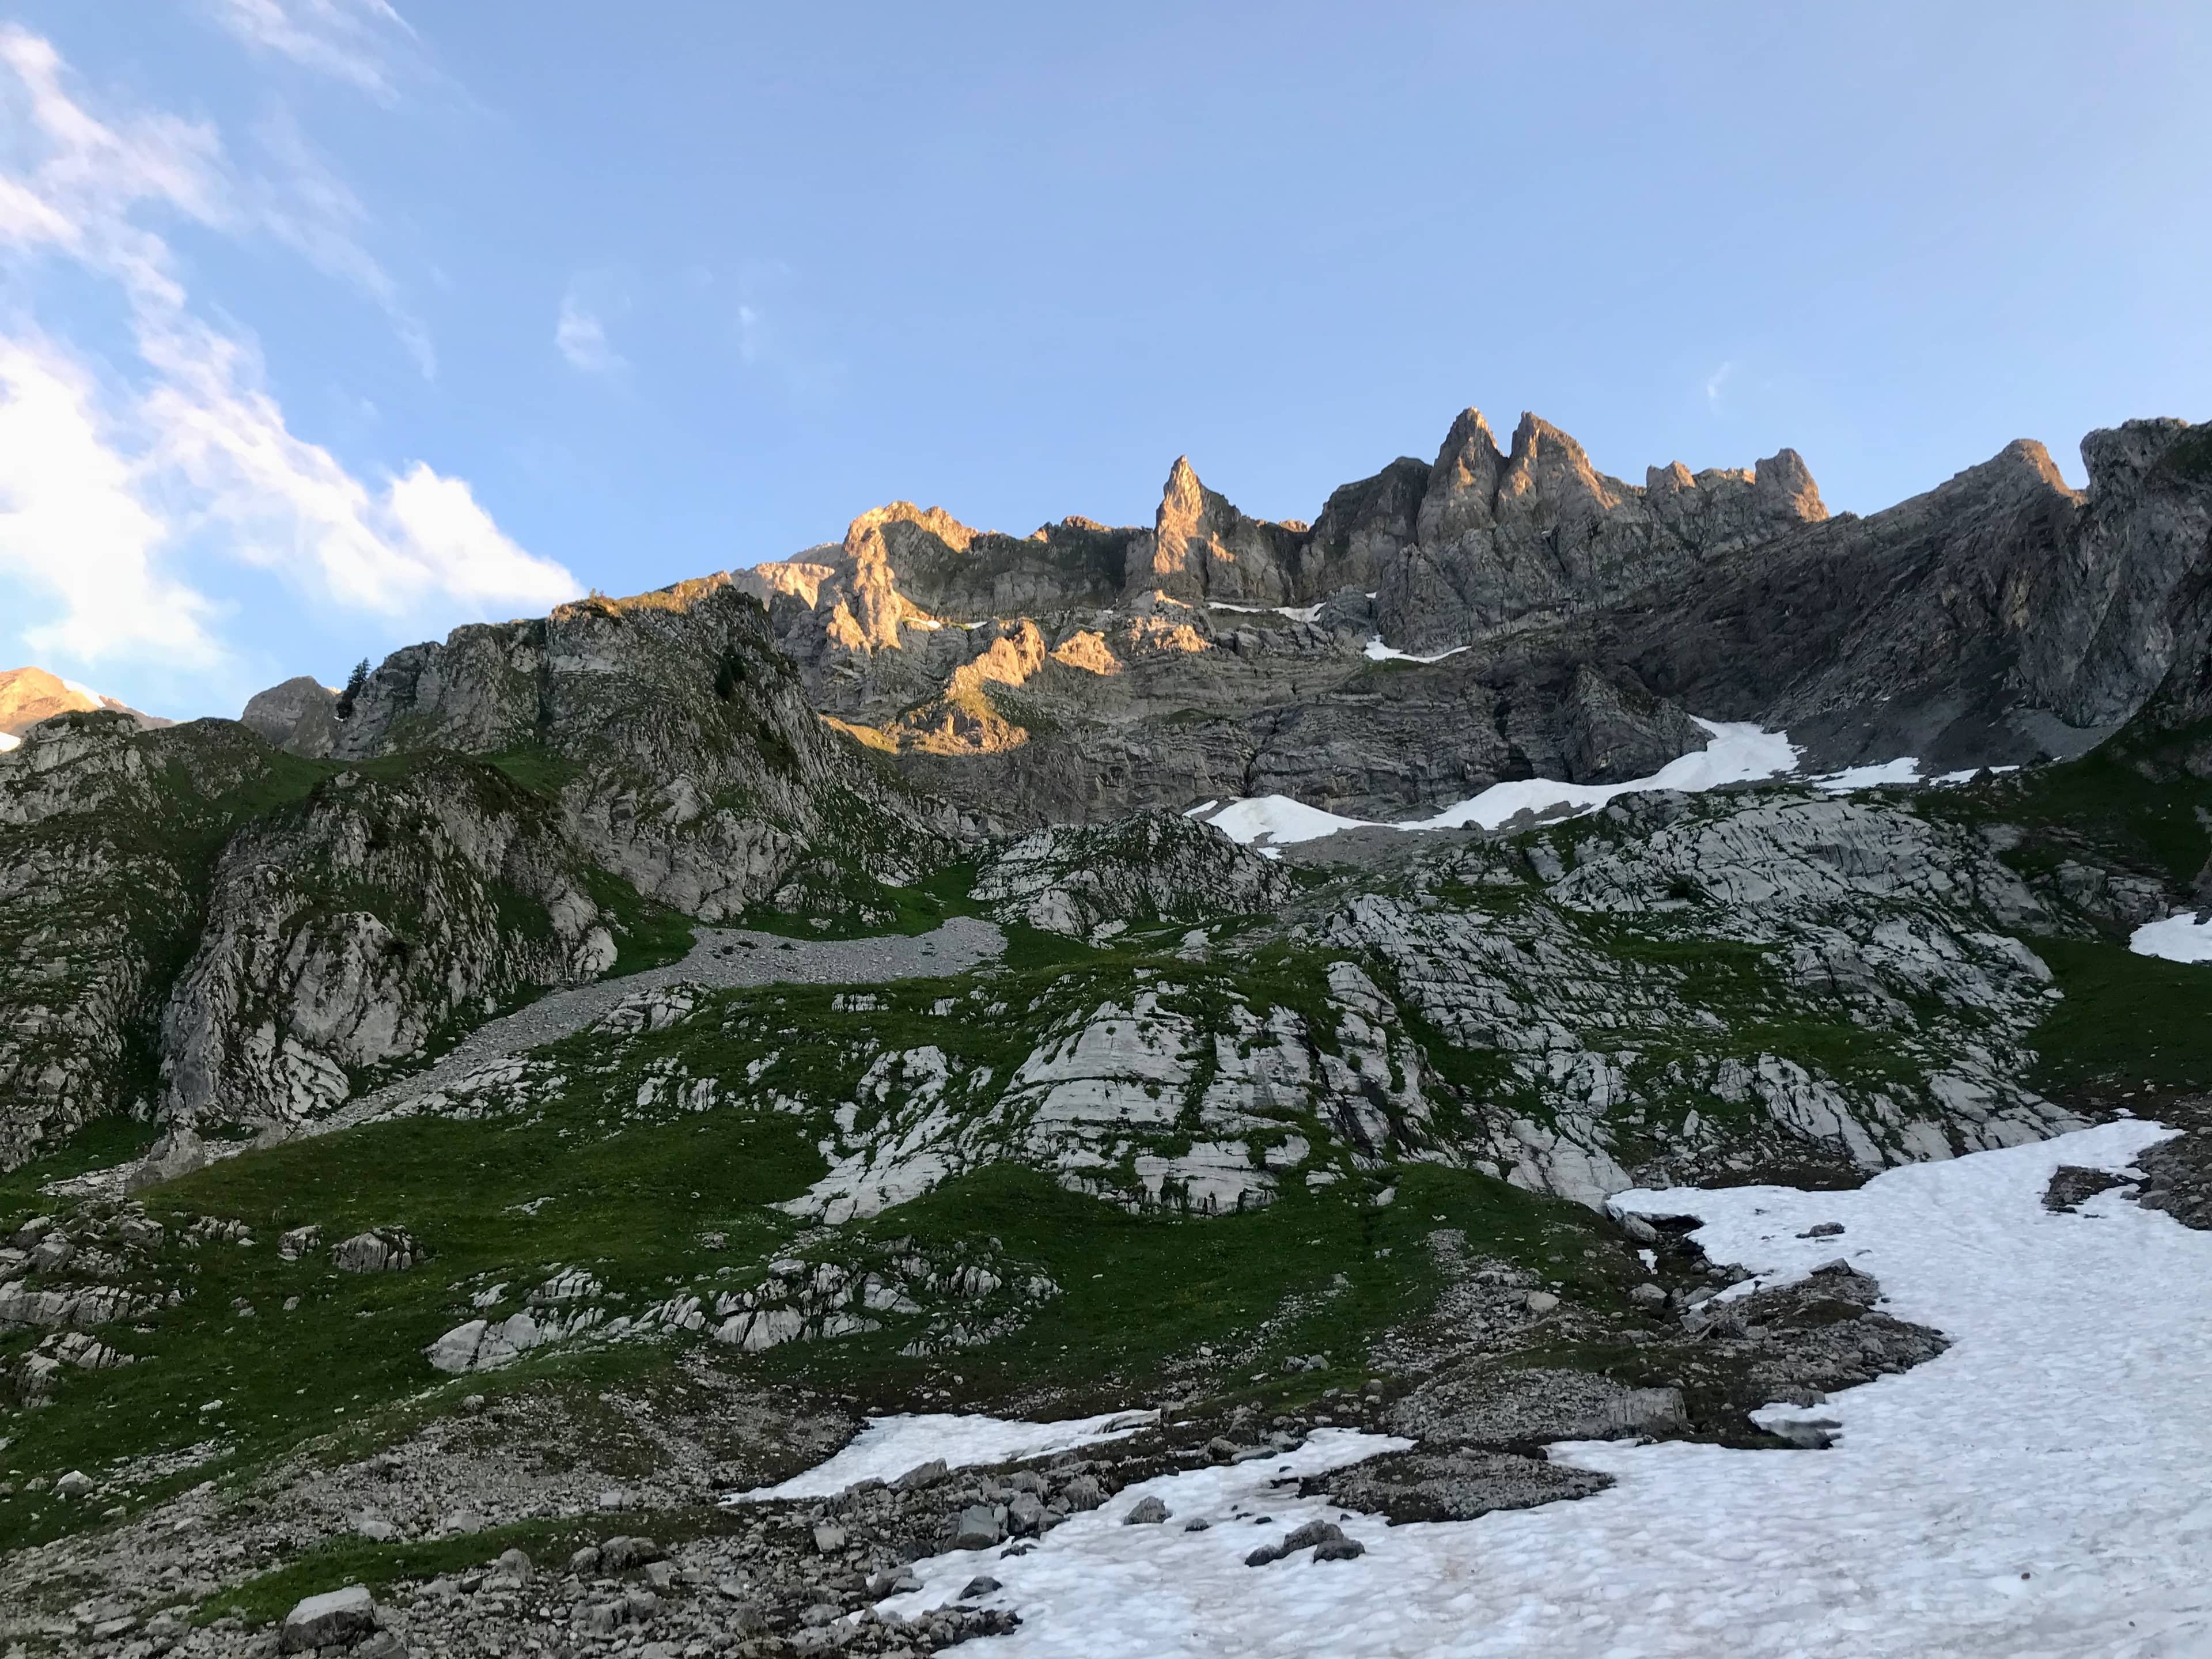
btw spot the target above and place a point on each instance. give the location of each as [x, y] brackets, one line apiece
[1083, 671]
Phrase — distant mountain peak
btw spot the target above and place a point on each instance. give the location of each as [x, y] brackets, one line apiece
[30, 694]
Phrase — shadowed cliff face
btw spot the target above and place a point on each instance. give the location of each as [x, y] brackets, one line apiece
[688, 759]
[1084, 670]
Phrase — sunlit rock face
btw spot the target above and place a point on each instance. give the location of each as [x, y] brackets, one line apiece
[1543, 618]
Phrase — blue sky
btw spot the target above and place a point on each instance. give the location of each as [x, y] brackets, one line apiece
[325, 326]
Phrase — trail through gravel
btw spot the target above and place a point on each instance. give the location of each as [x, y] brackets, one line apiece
[720, 959]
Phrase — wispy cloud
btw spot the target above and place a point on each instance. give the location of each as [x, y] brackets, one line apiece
[104, 484]
[1716, 382]
[316, 214]
[581, 338]
[352, 41]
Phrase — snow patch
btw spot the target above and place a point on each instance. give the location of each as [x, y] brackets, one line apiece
[1297, 613]
[2037, 1489]
[1739, 753]
[2177, 938]
[889, 1446]
[1378, 652]
[1905, 770]
[8, 740]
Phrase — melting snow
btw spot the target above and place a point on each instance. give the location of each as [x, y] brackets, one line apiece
[1904, 769]
[7, 740]
[1298, 613]
[889, 1446]
[1738, 753]
[2038, 1489]
[2178, 939]
[1378, 652]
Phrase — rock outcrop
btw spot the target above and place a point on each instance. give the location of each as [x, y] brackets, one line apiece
[362, 925]
[684, 755]
[108, 837]
[299, 716]
[1149, 867]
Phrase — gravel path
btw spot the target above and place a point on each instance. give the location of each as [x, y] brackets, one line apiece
[721, 958]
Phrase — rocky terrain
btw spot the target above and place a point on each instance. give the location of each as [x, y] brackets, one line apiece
[461, 1142]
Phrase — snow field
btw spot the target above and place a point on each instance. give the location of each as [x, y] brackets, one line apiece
[2177, 938]
[2039, 1489]
[1739, 753]
[889, 1446]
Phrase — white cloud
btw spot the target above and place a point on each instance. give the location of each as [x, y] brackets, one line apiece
[289, 505]
[582, 338]
[103, 488]
[1716, 381]
[73, 527]
[353, 40]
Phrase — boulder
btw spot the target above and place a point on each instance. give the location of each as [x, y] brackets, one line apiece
[381, 1249]
[336, 1617]
[977, 1529]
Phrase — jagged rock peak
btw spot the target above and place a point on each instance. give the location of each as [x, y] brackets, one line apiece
[2126, 452]
[1463, 493]
[1785, 479]
[866, 534]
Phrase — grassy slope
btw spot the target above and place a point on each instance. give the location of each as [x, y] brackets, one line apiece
[633, 1202]
[1318, 1273]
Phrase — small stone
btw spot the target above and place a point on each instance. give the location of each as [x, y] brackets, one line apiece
[980, 1585]
[1221, 1450]
[1145, 1512]
[461, 1521]
[585, 1562]
[75, 1484]
[1025, 1515]
[1807, 1434]
[1540, 1303]
[828, 1537]
[1307, 1536]
[1648, 1294]
[1822, 1229]
[1339, 1549]
[515, 1565]
[375, 1528]
[1197, 1525]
